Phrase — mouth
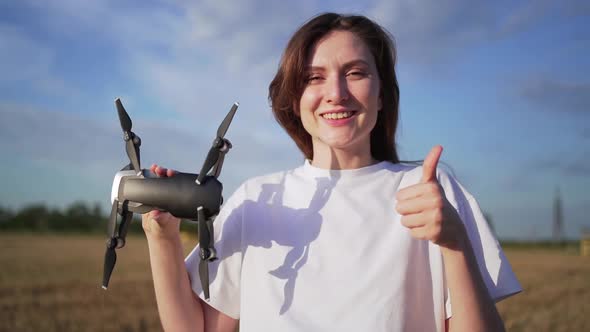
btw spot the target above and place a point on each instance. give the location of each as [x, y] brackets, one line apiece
[339, 115]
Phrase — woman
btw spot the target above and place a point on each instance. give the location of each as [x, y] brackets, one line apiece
[350, 241]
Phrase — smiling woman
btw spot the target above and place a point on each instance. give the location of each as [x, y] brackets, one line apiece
[352, 240]
[362, 53]
[339, 106]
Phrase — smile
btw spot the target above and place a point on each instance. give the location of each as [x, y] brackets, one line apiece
[337, 115]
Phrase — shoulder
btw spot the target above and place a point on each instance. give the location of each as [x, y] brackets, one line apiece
[266, 179]
[256, 184]
[412, 174]
[453, 187]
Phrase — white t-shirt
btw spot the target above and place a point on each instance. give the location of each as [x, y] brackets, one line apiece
[324, 250]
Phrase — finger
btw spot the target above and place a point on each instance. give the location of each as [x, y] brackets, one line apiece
[161, 171]
[154, 214]
[418, 205]
[417, 190]
[153, 168]
[420, 233]
[430, 164]
[170, 172]
[158, 215]
[413, 220]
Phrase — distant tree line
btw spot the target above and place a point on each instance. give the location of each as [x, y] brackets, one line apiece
[78, 217]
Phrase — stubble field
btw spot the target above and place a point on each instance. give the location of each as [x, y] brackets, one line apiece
[52, 283]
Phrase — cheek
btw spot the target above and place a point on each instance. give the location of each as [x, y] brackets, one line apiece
[305, 109]
[367, 93]
[309, 100]
[374, 97]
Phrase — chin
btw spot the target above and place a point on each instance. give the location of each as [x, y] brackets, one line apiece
[340, 143]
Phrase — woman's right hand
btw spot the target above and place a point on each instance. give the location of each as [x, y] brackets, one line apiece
[158, 223]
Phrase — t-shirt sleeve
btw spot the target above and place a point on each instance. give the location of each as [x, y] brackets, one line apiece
[225, 272]
[495, 269]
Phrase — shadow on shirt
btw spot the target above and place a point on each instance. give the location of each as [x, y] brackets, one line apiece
[267, 220]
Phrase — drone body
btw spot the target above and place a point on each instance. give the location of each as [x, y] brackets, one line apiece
[178, 194]
[184, 195]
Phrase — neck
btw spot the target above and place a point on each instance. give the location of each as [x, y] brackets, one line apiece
[333, 158]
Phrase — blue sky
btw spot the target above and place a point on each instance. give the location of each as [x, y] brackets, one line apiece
[503, 86]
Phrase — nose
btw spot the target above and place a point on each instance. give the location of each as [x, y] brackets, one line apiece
[336, 90]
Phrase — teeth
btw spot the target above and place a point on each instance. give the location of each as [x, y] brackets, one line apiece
[336, 116]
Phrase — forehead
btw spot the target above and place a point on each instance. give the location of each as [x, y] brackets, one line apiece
[340, 46]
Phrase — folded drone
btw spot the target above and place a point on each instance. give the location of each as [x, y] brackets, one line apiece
[188, 196]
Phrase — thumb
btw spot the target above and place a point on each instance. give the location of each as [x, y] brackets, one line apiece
[430, 164]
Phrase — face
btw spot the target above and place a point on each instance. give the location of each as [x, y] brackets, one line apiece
[341, 100]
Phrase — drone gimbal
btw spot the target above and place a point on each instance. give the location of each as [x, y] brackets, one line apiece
[184, 195]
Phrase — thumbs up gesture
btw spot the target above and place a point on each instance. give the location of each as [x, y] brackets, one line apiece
[425, 210]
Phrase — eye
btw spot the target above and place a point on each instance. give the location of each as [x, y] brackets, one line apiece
[356, 74]
[314, 78]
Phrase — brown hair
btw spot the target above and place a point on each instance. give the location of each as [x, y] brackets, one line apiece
[286, 88]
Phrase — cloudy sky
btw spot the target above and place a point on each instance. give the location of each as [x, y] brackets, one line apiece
[502, 85]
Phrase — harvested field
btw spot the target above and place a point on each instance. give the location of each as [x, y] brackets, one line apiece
[556, 293]
[52, 283]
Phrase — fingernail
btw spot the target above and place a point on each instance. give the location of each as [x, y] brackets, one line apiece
[156, 214]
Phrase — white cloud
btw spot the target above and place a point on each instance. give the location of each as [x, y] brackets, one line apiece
[77, 147]
[440, 32]
[194, 59]
[549, 93]
[25, 61]
[186, 62]
[431, 31]
[44, 135]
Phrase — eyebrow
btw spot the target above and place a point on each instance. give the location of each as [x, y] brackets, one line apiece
[347, 65]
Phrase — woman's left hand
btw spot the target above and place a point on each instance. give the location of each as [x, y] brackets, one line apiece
[426, 211]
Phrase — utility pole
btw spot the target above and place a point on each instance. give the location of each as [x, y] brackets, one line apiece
[557, 217]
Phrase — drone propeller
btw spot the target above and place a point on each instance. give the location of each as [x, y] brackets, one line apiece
[110, 256]
[116, 239]
[218, 145]
[124, 226]
[132, 141]
[226, 122]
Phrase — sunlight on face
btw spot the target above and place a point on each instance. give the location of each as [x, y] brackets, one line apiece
[341, 100]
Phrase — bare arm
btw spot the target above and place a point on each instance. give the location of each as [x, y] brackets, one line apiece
[473, 308]
[179, 308]
[429, 216]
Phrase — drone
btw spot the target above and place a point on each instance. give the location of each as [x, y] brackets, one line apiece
[195, 197]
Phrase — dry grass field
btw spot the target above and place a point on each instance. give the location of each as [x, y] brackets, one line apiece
[52, 283]
[556, 295]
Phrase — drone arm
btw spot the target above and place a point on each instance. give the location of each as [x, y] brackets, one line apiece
[132, 147]
[124, 226]
[220, 146]
[217, 168]
[222, 152]
[210, 161]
